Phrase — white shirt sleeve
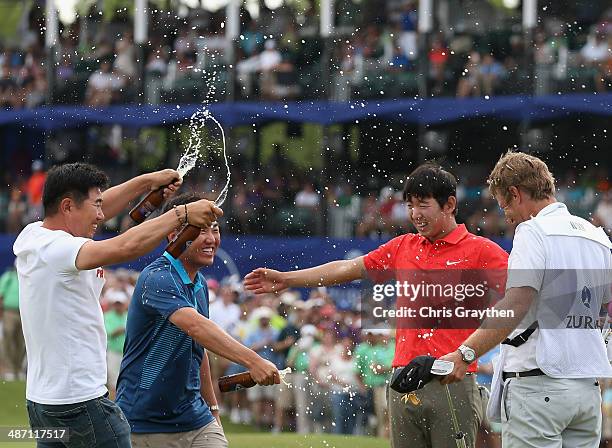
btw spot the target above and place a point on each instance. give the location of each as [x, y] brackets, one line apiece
[527, 260]
[62, 251]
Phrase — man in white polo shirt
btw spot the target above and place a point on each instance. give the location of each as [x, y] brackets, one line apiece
[545, 390]
[60, 280]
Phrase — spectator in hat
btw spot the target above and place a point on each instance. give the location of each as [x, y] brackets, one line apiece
[240, 412]
[225, 312]
[115, 319]
[319, 367]
[287, 338]
[261, 340]
[373, 359]
[299, 359]
[343, 383]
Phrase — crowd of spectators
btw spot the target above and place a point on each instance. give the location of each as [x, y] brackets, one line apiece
[339, 371]
[292, 205]
[280, 56]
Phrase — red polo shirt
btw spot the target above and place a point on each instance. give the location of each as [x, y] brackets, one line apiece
[457, 250]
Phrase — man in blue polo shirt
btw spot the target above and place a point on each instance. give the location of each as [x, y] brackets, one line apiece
[164, 387]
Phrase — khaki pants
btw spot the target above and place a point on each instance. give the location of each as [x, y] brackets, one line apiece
[380, 410]
[14, 345]
[551, 413]
[428, 424]
[209, 436]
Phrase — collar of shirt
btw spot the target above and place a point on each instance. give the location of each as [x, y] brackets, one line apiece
[180, 269]
[556, 208]
[456, 235]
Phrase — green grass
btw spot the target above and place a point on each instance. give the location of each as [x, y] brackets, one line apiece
[13, 413]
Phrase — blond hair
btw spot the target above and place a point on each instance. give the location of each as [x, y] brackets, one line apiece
[524, 171]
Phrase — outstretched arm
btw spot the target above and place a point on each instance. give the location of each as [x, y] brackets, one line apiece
[117, 198]
[212, 337]
[263, 280]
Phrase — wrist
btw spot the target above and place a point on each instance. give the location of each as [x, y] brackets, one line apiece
[250, 361]
[148, 182]
[288, 279]
[468, 355]
[186, 213]
[214, 408]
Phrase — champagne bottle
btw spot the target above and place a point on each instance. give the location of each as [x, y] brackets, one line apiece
[238, 381]
[182, 240]
[148, 205]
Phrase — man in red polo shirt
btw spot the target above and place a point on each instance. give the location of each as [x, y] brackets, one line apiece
[441, 244]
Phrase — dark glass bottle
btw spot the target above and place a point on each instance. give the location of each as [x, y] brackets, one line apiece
[182, 240]
[148, 205]
[238, 381]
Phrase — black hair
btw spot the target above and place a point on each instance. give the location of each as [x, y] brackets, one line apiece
[72, 180]
[430, 180]
[183, 198]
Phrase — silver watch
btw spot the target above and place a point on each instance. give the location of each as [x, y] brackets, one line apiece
[467, 354]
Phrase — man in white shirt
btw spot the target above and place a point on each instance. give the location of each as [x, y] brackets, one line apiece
[596, 49]
[307, 197]
[101, 85]
[61, 278]
[224, 311]
[545, 390]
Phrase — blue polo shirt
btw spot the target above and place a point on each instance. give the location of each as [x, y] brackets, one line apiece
[159, 381]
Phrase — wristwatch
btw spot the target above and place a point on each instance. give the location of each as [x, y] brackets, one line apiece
[213, 408]
[467, 354]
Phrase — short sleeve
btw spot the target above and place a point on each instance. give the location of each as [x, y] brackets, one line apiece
[161, 294]
[61, 253]
[527, 260]
[383, 258]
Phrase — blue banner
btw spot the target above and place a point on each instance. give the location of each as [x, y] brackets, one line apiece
[428, 111]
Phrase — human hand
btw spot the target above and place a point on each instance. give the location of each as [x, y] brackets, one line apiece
[168, 178]
[264, 372]
[202, 213]
[263, 280]
[459, 370]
